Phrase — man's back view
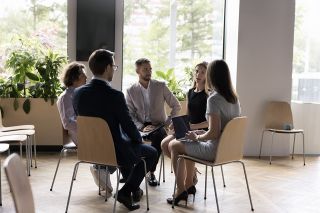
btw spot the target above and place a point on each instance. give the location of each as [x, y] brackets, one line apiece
[98, 99]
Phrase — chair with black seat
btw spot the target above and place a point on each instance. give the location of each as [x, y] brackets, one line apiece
[278, 119]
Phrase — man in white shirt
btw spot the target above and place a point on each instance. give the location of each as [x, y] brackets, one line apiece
[145, 100]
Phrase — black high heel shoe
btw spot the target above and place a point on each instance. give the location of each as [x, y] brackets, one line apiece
[192, 191]
[182, 196]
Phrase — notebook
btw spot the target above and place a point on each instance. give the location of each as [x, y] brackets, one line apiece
[145, 135]
[181, 126]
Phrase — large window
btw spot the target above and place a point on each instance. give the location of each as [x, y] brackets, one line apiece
[173, 34]
[44, 21]
[306, 55]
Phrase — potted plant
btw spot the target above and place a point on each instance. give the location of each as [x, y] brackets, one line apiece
[34, 82]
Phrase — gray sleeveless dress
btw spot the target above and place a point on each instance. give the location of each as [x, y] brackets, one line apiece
[216, 104]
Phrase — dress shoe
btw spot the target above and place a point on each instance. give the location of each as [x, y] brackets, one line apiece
[152, 180]
[182, 196]
[192, 191]
[136, 195]
[127, 201]
[123, 180]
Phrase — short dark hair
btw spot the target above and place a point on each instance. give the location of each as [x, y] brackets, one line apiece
[218, 78]
[71, 73]
[141, 61]
[99, 60]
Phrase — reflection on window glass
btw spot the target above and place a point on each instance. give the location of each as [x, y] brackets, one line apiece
[172, 34]
[306, 55]
[39, 20]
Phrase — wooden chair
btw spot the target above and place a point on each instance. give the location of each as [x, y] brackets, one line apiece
[23, 127]
[230, 150]
[4, 138]
[19, 184]
[95, 146]
[3, 148]
[278, 119]
[30, 137]
[68, 146]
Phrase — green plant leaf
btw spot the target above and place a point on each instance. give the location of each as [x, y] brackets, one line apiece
[32, 76]
[26, 106]
[15, 104]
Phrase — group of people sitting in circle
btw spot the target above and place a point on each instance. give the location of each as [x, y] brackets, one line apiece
[211, 103]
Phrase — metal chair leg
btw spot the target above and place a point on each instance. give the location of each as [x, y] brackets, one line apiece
[175, 182]
[58, 164]
[205, 183]
[75, 177]
[171, 168]
[35, 150]
[261, 143]
[224, 183]
[71, 185]
[117, 189]
[163, 169]
[215, 190]
[28, 155]
[99, 180]
[145, 180]
[270, 154]
[294, 142]
[304, 158]
[30, 150]
[161, 162]
[245, 175]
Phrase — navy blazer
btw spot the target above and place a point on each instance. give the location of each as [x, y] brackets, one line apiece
[98, 99]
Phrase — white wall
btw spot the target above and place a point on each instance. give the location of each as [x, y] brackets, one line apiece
[72, 36]
[264, 66]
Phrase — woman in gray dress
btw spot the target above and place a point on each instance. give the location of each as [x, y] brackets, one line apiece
[222, 106]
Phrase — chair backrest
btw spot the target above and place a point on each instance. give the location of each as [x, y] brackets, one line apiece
[230, 147]
[95, 143]
[19, 184]
[277, 114]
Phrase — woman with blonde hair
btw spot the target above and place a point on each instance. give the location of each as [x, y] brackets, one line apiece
[196, 110]
[222, 106]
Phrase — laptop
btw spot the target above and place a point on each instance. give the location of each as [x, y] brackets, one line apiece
[181, 126]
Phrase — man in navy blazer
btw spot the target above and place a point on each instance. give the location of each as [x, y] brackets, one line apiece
[99, 99]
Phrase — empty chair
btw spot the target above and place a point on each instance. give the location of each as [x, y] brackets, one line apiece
[19, 185]
[230, 150]
[3, 148]
[95, 146]
[68, 146]
[17, 139]
[278, 119]
[22, 127]
[30, 137]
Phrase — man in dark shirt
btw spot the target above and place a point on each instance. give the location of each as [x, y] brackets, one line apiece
[98, 99]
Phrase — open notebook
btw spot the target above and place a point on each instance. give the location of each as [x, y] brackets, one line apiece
[145, 135]
[181, 126]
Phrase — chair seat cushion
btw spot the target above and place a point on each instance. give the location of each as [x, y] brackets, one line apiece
[292, 131]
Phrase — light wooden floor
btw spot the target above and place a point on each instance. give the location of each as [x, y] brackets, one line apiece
[284, 186]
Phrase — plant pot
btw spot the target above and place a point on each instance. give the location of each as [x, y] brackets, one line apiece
[42, 115]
